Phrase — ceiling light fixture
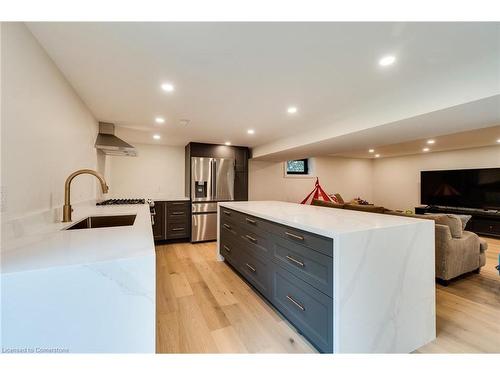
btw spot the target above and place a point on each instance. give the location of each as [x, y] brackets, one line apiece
[156, 136]
[168, 87]
[426, 149]
[498, 140]
[159, 120]
[387, 60]
[292, 110]
[371, 151]
[251, 131]
[377, 155]
[227, 143]
[431, 141]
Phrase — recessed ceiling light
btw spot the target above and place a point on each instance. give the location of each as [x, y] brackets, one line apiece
[371, 151]
[156, 136]
[387, 60]
[292, 110]
[431, 141]
[159, 120]
[227, 143]
[377, 155]
[498, 140]
[251, 131]
[426, 149]
[168, 87]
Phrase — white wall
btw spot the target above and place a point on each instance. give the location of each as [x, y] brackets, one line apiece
[47, 131]
[349, 177]
[396, 181]
[390, 182]
[157, 172]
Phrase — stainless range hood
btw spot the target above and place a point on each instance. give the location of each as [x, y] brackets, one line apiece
[110, 144]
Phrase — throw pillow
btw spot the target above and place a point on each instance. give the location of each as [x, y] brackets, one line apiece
[334, 198]
[465, 219]
[339, 198]
[452, 221]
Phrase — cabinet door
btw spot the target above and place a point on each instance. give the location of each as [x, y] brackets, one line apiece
[257, 271]
[309, 310]
[177, 228]
[159, 228]
[485, 226]
[241, 159]
[241, 186]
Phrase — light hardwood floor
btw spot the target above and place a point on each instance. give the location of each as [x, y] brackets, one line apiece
[203, 306]
[468, 311]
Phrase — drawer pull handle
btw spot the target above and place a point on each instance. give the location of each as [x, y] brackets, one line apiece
[227, 226]
[251, 238]
[251, 268]
[250, 221]
[177, 229]
[228, 213]
[294, 236]
[227, 249]
[292, 259]
[296, 303]
[178, 213]
[177, 203]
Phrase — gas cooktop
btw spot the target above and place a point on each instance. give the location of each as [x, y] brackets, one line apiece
[120, 201]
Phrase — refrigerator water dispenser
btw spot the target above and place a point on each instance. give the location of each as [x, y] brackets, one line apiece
[200, 189]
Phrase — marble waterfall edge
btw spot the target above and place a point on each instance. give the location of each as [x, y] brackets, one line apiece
[384, 273]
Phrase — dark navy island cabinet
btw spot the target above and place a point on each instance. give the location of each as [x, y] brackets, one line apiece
[292, 269]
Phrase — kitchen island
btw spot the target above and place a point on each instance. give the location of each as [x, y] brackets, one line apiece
[350, 282]
[79, 291]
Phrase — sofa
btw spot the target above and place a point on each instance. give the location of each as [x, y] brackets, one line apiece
[457, 251]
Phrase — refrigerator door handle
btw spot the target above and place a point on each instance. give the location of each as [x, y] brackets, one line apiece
[210, 184]
[211, 179]
[214, 179]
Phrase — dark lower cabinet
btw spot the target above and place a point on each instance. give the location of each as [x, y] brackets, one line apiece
[159, 228]
[172, 220]
[230, 251]
[307, 308]
[486, 227]
[291, 268]
[258, 271]
[313, 267]
[177, 229]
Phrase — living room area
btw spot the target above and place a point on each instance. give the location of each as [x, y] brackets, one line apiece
[453, 179]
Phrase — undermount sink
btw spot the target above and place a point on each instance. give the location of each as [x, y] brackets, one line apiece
[104, 222]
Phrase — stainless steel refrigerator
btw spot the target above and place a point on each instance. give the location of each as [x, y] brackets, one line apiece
[212, 181]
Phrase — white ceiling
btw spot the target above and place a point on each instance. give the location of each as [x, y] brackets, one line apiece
[230, 77]
[477, 115]
[457, 141]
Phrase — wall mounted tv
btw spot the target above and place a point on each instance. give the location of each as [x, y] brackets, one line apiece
[471, 188]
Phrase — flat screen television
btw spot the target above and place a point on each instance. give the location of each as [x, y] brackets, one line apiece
[471, 188]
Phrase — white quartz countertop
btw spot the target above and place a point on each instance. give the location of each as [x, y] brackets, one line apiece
[325, 221]
[55, 247]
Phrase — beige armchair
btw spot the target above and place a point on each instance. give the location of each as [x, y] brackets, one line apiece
[456, 256]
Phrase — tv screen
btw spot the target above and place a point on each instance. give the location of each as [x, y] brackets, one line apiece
[471, 188]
